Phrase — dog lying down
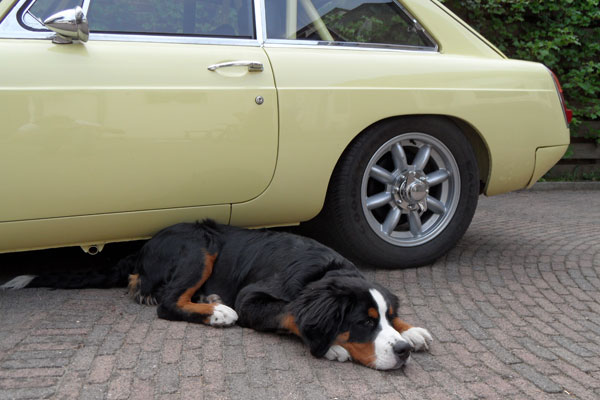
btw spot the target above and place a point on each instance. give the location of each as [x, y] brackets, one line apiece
[268, 281]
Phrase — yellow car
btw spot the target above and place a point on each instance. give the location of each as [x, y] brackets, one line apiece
[382, 121]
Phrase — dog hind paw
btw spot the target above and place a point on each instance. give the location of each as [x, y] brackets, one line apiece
[223, 316]
[419, 338]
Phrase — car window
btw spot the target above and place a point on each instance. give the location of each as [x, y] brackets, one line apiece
[217, 18]
[344, 21]
[42, 9]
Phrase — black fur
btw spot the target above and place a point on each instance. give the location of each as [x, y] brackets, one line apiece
[115, 276]
[265, 276]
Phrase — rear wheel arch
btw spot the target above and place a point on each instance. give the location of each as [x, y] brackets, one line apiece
[343, 216]
[480, 148]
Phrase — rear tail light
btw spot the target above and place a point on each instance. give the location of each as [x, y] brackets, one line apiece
[566, 112]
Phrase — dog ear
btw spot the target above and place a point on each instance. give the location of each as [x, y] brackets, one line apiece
[319, 312]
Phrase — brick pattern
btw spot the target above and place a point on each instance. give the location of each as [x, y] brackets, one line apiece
[514, 310]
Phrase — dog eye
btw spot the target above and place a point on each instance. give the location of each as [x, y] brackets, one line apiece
[368, 323]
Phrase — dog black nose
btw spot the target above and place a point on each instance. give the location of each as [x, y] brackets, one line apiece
[402, 350]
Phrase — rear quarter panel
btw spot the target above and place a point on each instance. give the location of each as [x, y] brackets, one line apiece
[328, 96]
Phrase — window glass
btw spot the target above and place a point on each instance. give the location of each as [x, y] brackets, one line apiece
[352, 21]
[218, 18]
[45, 8]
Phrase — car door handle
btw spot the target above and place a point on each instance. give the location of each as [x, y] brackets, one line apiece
[253, 66]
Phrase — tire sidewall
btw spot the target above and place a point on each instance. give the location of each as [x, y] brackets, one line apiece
[368, 246]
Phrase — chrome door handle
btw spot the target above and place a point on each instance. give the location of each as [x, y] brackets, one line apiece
[253, 66]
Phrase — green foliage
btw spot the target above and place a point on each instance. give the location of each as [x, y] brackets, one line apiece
[575, 176]
[562, 34]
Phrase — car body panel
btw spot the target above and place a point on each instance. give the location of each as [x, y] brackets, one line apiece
[140, 146]
[451, 35]
[323, 102]
[545, 158]
[99, 229]
[477, 43]
[114, 116]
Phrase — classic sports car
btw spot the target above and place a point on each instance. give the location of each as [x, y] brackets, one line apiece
[380, 121]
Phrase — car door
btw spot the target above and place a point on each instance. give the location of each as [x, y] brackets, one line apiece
[134, 120]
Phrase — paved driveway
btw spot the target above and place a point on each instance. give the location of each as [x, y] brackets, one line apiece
[514, 311]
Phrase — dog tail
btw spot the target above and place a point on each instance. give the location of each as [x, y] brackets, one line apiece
[113, 276]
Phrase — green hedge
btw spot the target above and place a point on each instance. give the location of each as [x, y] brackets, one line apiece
[562, 34]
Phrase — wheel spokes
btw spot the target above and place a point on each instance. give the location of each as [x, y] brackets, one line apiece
[435, 206]
[422, 157]
[410, 189]
[414, 221]
[378, 200]
[437, 177]
[391, 221]
[399, 157]
[382, 175]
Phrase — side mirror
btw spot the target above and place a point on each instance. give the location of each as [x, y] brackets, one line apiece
[69, 25]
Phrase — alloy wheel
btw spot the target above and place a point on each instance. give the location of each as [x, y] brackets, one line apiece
[410, 189]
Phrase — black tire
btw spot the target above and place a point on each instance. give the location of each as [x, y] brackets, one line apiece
[363, 234]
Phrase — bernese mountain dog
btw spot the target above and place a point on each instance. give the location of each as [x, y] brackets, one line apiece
[262, 279]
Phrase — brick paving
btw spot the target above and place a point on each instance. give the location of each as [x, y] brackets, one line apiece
[514, 310]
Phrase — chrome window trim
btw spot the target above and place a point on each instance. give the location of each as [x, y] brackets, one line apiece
[11, 28]
[38, 25]
[85, 4]
[347, 45]
[127, 37]
[260, 21]
[352, 45]
[23, 12]
[308, 44]
[418, 26]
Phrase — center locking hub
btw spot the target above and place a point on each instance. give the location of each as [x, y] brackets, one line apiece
[410, 191]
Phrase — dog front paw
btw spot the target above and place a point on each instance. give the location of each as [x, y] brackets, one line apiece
[337, 353]
[419, 338]
[223, 316]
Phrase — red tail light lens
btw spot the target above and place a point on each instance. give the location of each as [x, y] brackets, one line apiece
[567, 112]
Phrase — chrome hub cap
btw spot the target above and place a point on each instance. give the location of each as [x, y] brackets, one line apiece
[410, 189]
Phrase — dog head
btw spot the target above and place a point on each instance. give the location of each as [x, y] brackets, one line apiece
[354, 314]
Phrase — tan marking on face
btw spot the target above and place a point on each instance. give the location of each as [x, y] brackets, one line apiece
[363, 353]
[373, 313]
[185, 300]
[342, 338]
[288, 322]
[400, 325]
[391, 311]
